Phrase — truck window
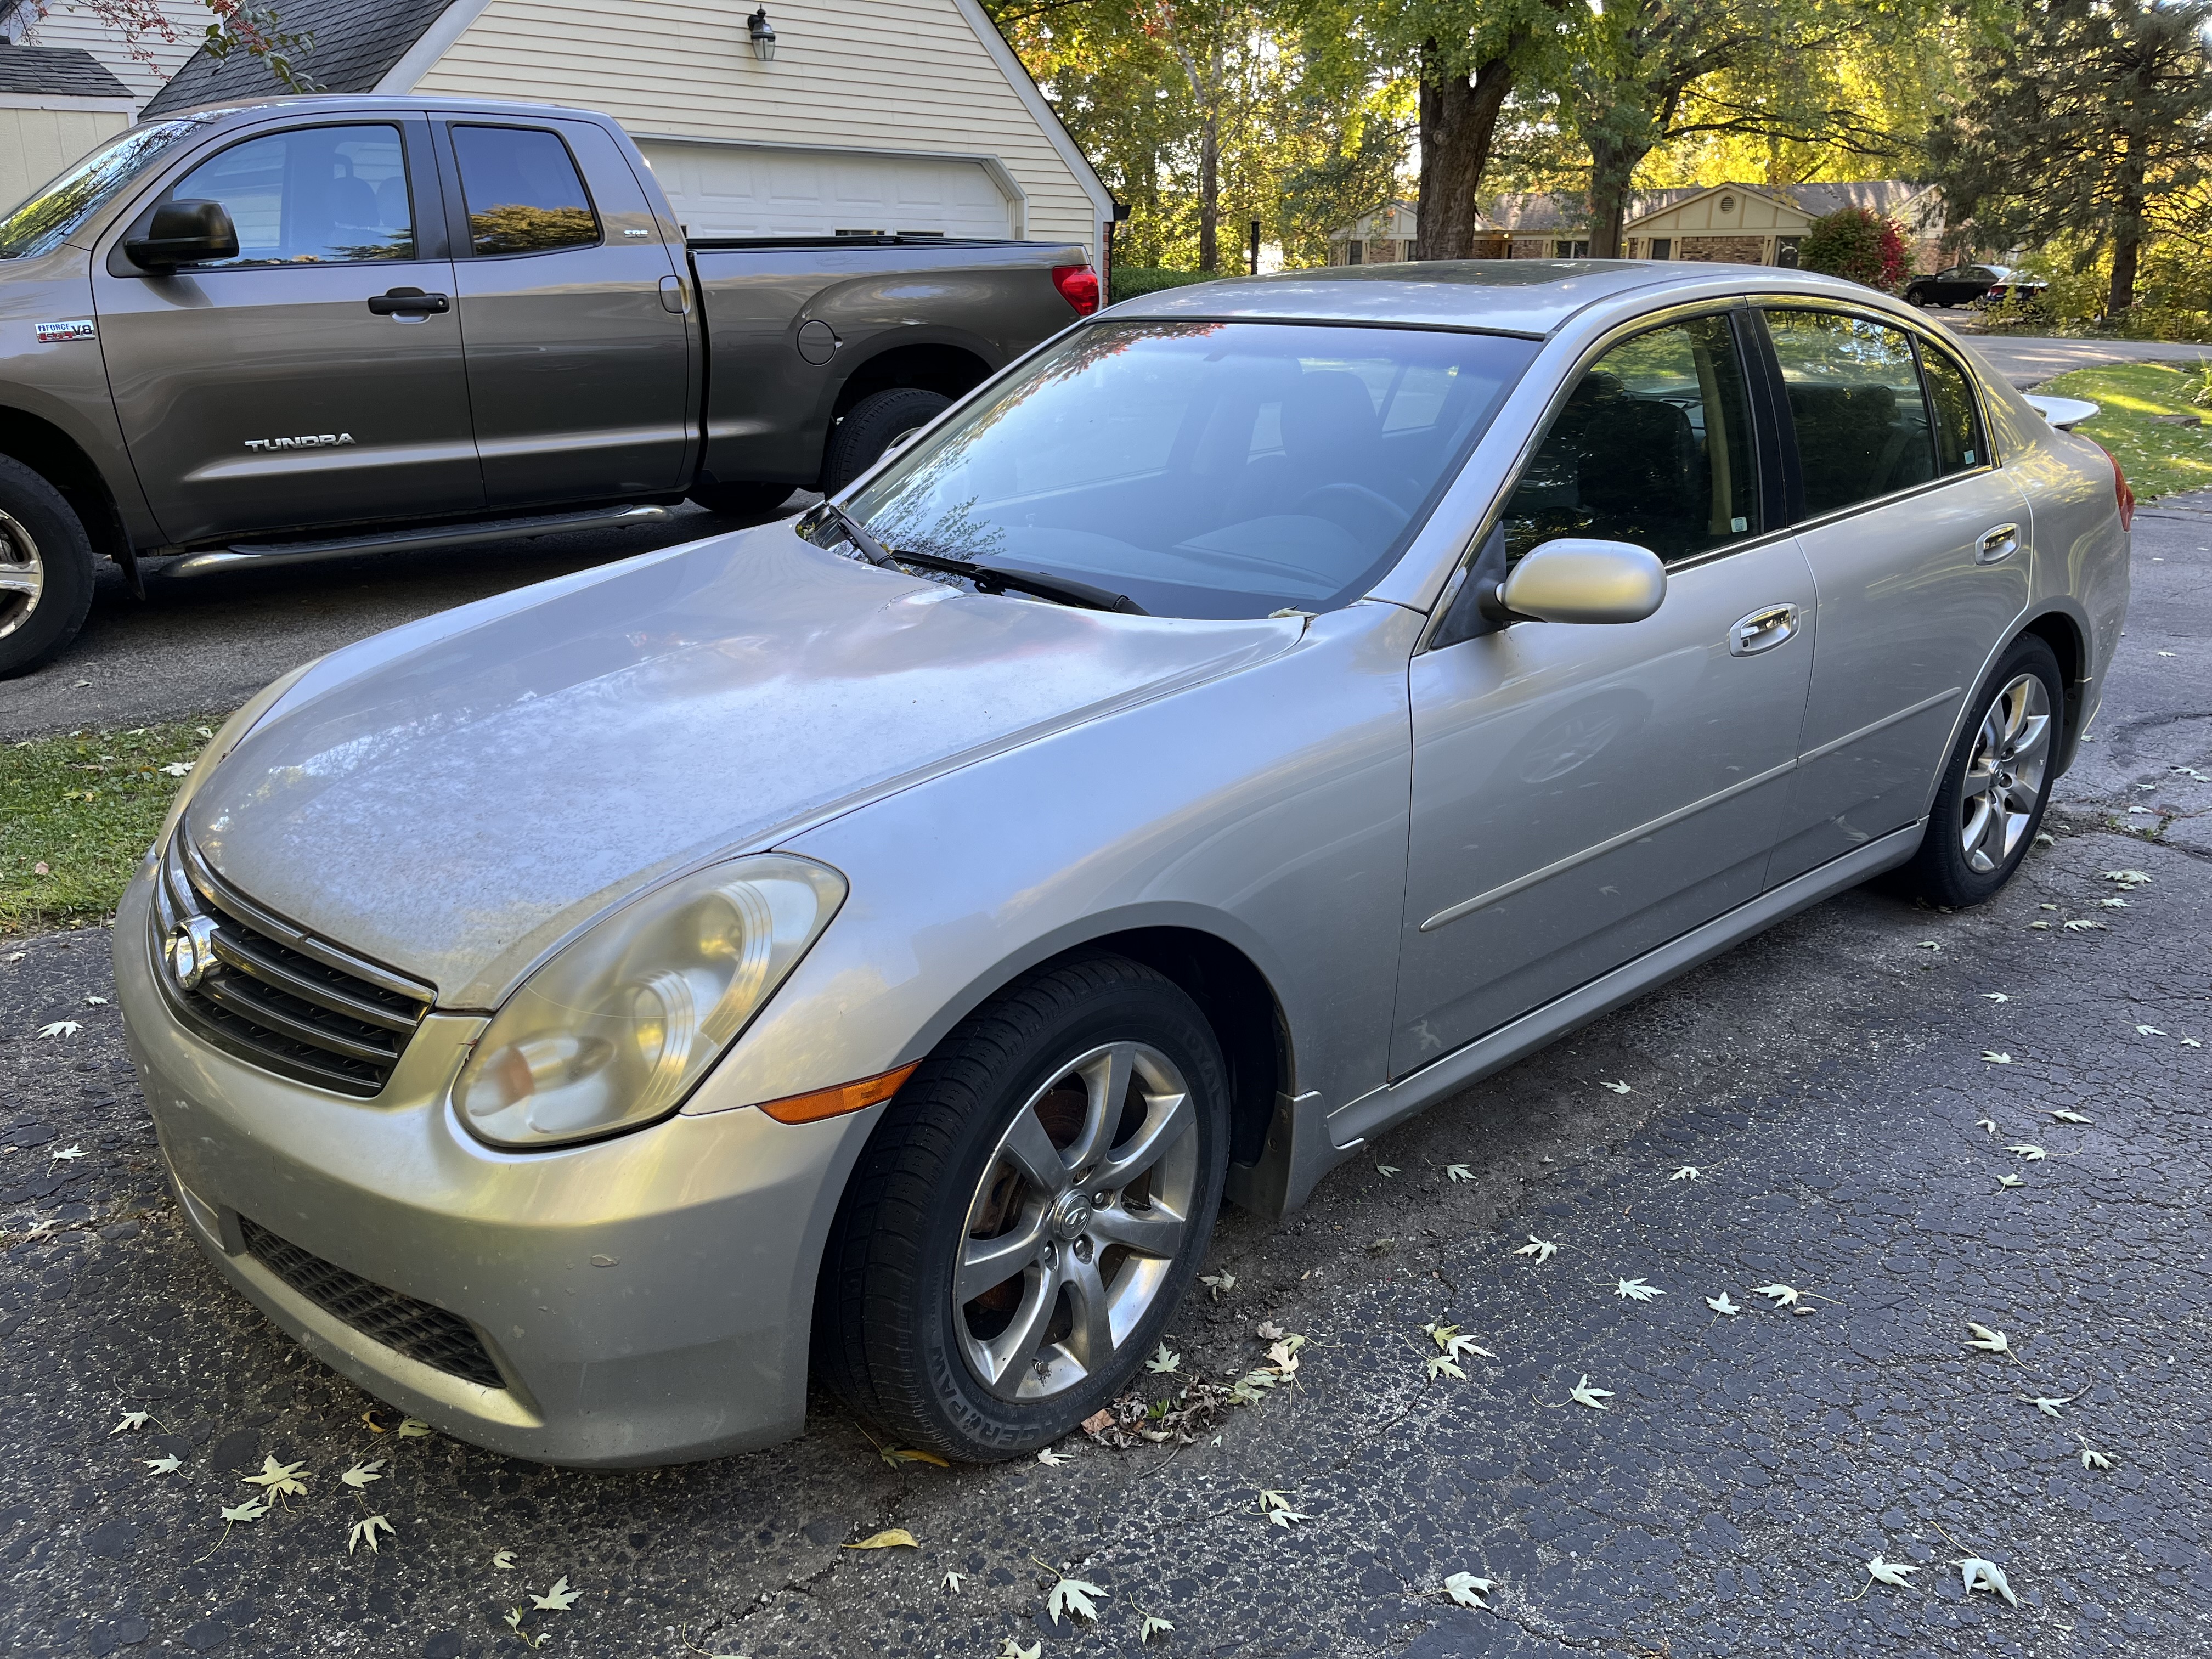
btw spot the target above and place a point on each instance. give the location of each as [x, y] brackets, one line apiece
[310, 195]
[46, 218]
[524, 193]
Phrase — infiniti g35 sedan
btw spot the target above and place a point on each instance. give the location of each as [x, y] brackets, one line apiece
[871, 945]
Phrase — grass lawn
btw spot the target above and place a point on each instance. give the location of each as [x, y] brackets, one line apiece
[77, 813]
[2158, 458]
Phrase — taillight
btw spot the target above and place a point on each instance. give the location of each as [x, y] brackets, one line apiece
[2121, 493]
[1079, 286]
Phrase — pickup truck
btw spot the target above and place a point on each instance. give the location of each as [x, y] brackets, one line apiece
[306, 328]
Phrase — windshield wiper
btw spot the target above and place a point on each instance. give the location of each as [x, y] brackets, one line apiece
[988, 579]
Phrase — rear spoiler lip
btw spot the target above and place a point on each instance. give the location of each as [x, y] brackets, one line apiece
[2064, 413]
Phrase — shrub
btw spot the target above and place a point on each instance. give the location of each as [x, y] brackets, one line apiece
[1858, 244]
[1127, 281]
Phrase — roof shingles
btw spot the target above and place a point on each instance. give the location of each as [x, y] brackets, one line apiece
[57, 72]
[355, 42]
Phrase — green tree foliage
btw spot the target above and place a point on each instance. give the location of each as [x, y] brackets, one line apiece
[2093, 121]
[1856, 243]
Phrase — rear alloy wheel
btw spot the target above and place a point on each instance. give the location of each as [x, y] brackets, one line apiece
[1029, 1213]
[1997, 783]
[45, 569]
[872, 426]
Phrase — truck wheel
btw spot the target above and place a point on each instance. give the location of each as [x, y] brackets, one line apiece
[874, 424]
[1028, 1214]
[743, 499]
[45, 569]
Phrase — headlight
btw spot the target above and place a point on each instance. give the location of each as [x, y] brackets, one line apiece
[617, 1029]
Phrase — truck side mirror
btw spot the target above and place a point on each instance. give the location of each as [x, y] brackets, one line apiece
[183, 234]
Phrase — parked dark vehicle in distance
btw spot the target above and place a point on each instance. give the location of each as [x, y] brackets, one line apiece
[1966, 285]
[308, 328]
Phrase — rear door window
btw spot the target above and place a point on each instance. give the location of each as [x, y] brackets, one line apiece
[523, 191]
[1653, 446]
[310, 195]
[1959, 444]
[1853, 386]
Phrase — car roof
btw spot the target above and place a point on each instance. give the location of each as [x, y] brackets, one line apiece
[1529, 297]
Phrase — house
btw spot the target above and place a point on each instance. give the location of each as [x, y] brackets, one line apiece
[1377, 237]
[1743, 224]
[808, 117]
[142, 62]
[56, 103]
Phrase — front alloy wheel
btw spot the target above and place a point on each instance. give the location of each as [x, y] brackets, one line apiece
[1028, 1213]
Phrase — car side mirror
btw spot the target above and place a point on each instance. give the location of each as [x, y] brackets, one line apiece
[1576, 581]
[183, 234]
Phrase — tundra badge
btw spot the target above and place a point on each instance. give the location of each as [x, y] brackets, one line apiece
[54, 333]
[306, 440]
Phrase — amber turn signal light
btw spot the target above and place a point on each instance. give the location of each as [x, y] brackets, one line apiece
[837, 1102]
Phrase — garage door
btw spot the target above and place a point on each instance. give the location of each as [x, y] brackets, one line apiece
[733, 192]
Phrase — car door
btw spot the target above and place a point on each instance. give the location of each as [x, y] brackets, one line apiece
[1918, 546]
[576, 317]
[317, 378]
[1581, 794]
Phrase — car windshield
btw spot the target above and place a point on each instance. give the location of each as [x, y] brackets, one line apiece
[48, 217]
[1202, 469]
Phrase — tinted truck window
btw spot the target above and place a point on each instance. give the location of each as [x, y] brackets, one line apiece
[313, 196]
[1854, 391]
[523, 191]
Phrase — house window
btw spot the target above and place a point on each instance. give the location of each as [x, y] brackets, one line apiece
[1786, 252]
[1662, 247]
[1352, 250]
[1570, 250]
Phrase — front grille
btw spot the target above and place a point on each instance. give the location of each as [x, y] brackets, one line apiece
[437, 1337]
[277, 995]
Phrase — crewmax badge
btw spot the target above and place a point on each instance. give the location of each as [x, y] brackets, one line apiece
[54, 333]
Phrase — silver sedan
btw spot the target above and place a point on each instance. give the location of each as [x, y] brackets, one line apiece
[877, 942]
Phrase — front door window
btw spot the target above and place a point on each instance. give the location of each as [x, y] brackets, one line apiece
[313, 196]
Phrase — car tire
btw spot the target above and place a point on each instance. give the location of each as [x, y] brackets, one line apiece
[743, 499]
[45, 569]
[872, 426]
[1990, 800]
[951, 1182]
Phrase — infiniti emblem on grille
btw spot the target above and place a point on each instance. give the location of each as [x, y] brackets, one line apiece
[191, 951]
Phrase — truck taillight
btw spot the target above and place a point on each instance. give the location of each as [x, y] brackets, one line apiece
[1079, 286]
[2121, 493]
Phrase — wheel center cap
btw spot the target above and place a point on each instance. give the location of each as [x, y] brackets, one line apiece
[1071, 1216]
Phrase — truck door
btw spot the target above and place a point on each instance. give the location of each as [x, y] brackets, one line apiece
[317, 378]
[577, 317]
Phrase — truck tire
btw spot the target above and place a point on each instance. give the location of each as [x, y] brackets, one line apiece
[873, 425]
[743, 499]
[45, 569]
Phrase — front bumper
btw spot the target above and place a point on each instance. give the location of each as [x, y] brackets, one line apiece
[646, 1299]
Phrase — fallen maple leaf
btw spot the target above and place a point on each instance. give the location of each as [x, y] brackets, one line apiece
[1687, 1172]
[2092, 1458]
[952, 1582]
[1153, 1626]
[1468, 1590]
[286, 1478]
[68, 1154]
[132, 1420]
[1783, 1296]
[2066, 1116]
[1164, 1362]
[1050, 1459]
[61, 1028]
[2010, 1181]
[2028, 1149]
[1277, 1507]
[1987, 1341]
[1721, 1304]
[1010, 1648]
[559, 1598]
[1220, 1283]
[1618, 1088]
[1582, 1394]
[1985, 1576]
[889, 1538]
[1072, 1595]
[251, 1509]
[361, 1473]
[364, 1532]
[1987, 996]
[1635, 1290]
[168, 1465]
[1995, 1058]
[1542, 1249]
[1386, 1170]
[2049, 1404]
[1457, 1172]
[413, 1428]
[2083, 925]
[1989, 1123]
[1891, 1572]
[2148, 1031]
[503, 1559]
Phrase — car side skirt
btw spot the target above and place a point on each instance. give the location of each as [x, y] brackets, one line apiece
[1306, 1140]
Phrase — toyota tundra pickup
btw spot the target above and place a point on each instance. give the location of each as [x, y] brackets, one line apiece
[308, 328]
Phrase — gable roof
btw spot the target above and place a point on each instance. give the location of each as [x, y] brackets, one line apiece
[57, 72]
[355, 42]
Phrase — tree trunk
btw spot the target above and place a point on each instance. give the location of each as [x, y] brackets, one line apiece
[1459, 122]
[2127, 229]
[1613, 167]
[1209, 193]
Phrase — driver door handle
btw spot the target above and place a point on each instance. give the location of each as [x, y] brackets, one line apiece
[2000, 543]
[408, 302]
[1762, 629]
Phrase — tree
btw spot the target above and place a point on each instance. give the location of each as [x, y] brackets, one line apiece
[247, 26]
[2094, 120]
[1858, 244]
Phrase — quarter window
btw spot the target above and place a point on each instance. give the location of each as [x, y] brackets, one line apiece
[311, 195]
[1653, 446]
[1959, 445]
[1854, 392]
[523, 191]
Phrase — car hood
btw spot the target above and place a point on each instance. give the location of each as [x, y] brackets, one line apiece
[455, 797]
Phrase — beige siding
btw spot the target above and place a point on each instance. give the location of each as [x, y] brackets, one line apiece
[895, 74]
[1701, 216]
[35, 144]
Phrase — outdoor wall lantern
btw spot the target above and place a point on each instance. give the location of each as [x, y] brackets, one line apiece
[763, 35]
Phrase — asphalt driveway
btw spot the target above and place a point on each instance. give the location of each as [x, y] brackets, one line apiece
[1832, 1109]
